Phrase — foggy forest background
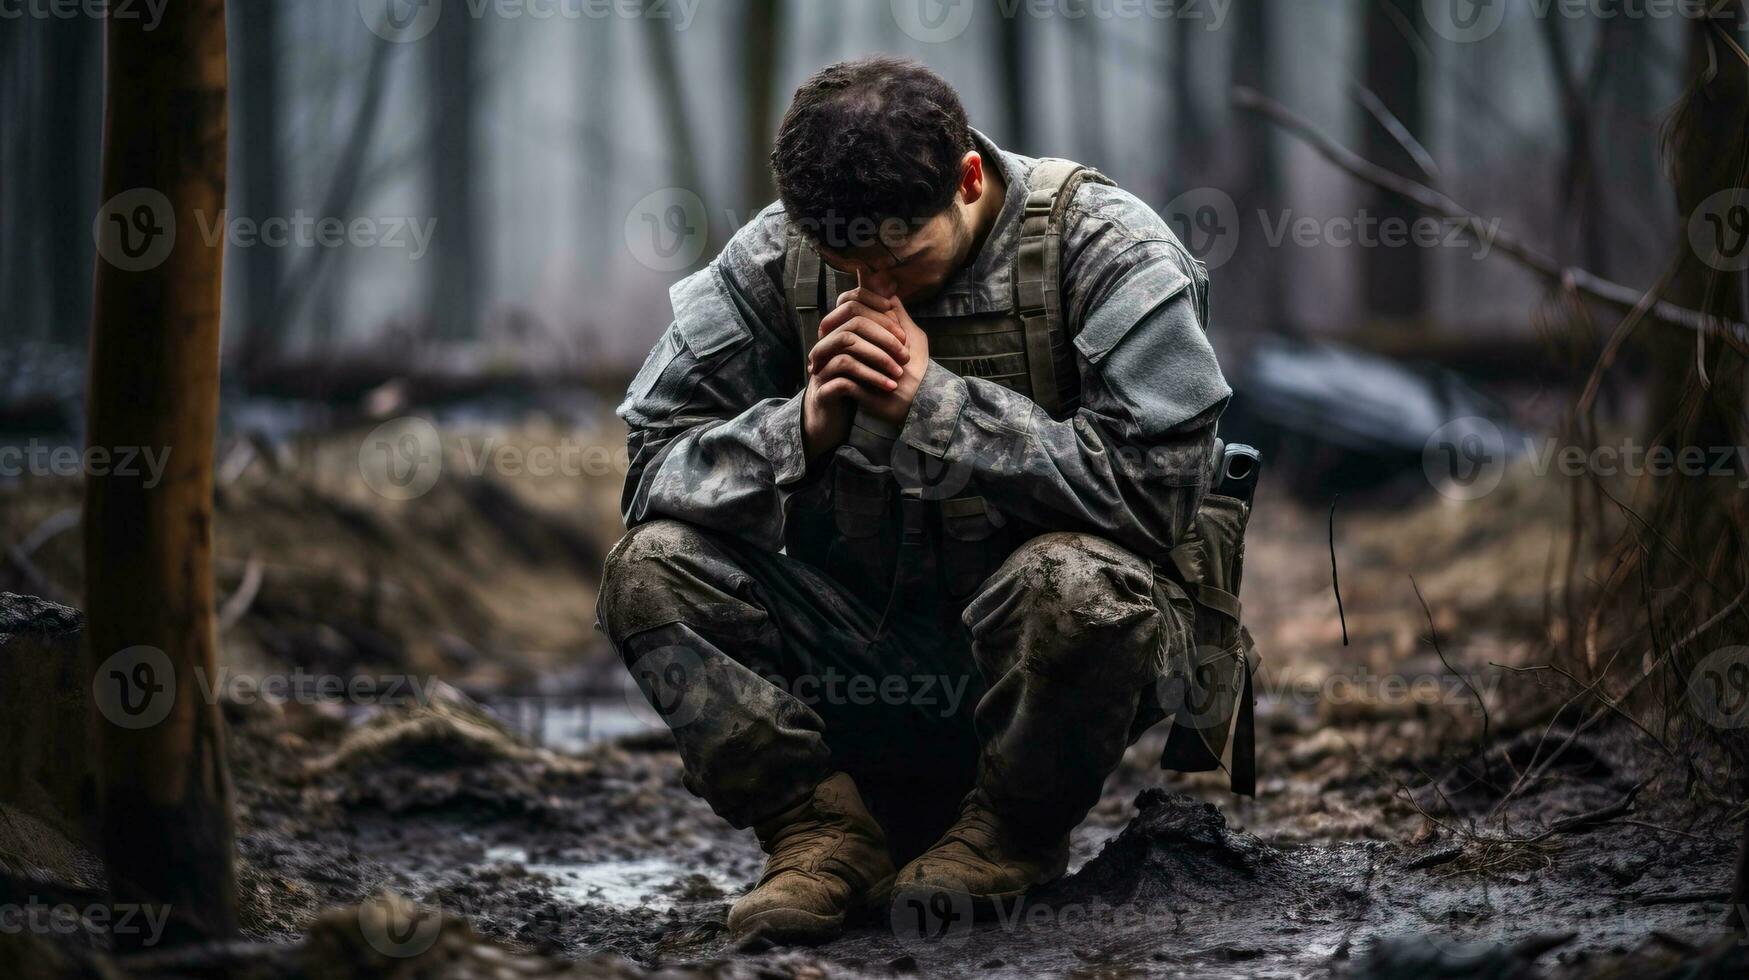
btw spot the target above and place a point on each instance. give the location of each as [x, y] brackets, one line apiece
[534, 142]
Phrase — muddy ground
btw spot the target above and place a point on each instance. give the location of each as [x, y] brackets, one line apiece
[528, 818]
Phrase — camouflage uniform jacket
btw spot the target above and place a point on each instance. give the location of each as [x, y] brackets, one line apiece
[715, 414]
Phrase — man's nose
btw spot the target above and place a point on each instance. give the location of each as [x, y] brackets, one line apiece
[880, 282]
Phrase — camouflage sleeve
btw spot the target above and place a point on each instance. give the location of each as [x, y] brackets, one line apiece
[1134, 460]
[715, 414]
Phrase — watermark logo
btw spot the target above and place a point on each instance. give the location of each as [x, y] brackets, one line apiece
[1464, 21]
[397, 928]
[1206, 696]
[932, 916]
[1718, 688]
[1718, 230]
[669, 679]
[135, 230]
[1464, 459]
[400, 21]
[933, 21]
[402, 458]
[1207, 223]
[667, 230]
[135, 688]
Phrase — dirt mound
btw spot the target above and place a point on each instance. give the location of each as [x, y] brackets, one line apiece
[1177, 849]
[442, 753]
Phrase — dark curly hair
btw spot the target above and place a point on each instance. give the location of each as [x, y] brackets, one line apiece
[868, 141]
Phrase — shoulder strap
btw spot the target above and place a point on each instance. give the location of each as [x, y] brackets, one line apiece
[1038, 270]
[810, 284]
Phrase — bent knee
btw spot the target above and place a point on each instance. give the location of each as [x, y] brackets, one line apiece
[1082, 575]
[668, 572]
[1063, 592]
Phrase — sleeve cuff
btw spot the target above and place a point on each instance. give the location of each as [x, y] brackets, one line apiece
[935, 411]
[873, 438]
[783, 442]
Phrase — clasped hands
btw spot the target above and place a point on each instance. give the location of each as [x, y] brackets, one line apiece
[870, 358]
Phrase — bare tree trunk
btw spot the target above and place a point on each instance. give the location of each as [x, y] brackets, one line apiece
[67, 179]
[764, 23]
[1396, 283]
[456, 266]
[1011, 63]
[257, 32]
[154, 383]
[1086, 67]
[1190, 128]
[1255, 176]
[677, 126]
[1582, 215]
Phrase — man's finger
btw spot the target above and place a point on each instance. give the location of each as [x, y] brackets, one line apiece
[847, 342]
[866, 297]
[845, 312]
[878, 335]
[846, 388]
[846, 366]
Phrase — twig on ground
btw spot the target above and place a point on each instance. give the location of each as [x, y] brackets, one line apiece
[1335, 584]
[1581, 822]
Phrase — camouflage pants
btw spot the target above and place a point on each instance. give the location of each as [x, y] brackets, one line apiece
[772, 675]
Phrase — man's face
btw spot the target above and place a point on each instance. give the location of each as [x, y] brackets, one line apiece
[912, 267]
[914, 264]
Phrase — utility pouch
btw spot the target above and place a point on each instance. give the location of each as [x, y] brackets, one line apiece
[1211, 686]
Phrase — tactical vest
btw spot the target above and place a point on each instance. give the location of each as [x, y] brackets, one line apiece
[1029, 350]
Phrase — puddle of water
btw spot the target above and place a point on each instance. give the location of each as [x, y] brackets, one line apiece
[641, 883]
[572, 724]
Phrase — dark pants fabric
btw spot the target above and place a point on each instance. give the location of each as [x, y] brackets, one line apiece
[773, 674]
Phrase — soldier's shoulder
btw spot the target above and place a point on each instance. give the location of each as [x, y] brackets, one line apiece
[1111, 209]
[753, 258]
[1116, 226]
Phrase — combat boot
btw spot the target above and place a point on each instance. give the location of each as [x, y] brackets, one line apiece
[827, 860]
[984, 859]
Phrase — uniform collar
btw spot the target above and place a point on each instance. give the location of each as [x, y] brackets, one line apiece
[986, 285]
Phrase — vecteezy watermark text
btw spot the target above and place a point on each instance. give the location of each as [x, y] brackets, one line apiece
[34, 458]
[65, 919]
[151, 11]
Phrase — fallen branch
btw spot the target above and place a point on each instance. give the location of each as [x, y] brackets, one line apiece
[1428, 199]
[1581, 822]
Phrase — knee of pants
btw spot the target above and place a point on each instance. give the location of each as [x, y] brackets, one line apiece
[1067, 600]
[667, 572]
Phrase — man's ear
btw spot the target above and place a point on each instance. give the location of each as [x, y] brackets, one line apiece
[971, 177]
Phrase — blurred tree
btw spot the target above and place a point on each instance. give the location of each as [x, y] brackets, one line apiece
[258, 178]
[759, 53]
[1086, 64]
[675, 122]
[1582, 214]
[71, 107]
[1013, 73]
[154, 382]
[596, 151]
[1253, 175]
[457, 269]
[1396, 281]
[304, 281]
[1191, 142]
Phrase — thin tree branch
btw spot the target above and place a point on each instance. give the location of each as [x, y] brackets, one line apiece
[1428, 199]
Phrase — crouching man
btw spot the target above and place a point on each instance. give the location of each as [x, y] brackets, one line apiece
[905, 473]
